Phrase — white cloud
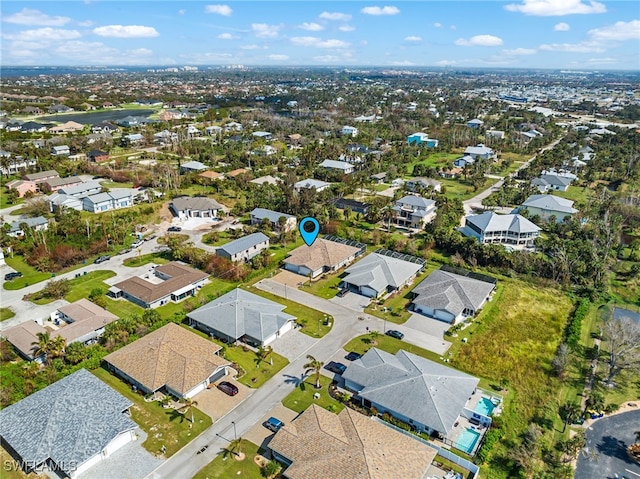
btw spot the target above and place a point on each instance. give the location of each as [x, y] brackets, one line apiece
[380, 10]
[126, 31]
[250, 47]
[583, 47]
[226, 36]
[86, 23]
[346, 28]
[318, 42]
[83, 50]
[453, 27]
[437, 25]
[29, 16]
[446, 63]
[224, 10]
[602, 61]
[182, 11]
[412, 38]
[618, 32]
[311, 26]
[344, 17]
[403, 63]
[326, 58]
[263, 30]
[480, 41]
[519, 52]
[551, 8]
[43, 34]
[561, 27]
[140, 52]
[278, 57]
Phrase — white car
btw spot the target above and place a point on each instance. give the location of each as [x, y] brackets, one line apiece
[137, 244]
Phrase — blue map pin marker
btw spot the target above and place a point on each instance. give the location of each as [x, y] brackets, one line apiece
[309, 229]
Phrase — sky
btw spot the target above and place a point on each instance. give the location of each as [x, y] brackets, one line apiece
[559, 34]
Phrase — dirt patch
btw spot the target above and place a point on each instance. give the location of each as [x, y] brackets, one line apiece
[165, 215]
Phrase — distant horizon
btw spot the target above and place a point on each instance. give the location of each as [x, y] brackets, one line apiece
[522, 34]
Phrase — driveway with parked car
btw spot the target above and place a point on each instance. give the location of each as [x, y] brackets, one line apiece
[216, 403]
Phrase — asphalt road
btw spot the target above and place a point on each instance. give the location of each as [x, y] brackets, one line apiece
[605, 453]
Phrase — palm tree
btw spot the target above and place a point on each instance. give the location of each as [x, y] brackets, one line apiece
[235, 446]
[43, 346]
[568, 412]
[264, 352]
[374, 336]
[314, 366]
[188, 404]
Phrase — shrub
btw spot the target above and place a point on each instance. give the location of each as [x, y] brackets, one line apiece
[574, 327]
[493, 435]
[270, 469]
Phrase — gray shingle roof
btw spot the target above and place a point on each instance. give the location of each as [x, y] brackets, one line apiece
[379, 271]
[451, 292]
[194, 165]
[340, 165]
[418, 201]
[550, 203]
[244, 243]
[273, 216]
[490, 221]
[69, 421]
[412, 386]
[183, 203]
[30, 222]
[240, 313]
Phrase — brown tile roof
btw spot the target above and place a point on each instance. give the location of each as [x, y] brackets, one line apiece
[211, 175]
[349, 445]
[181, 276]
[171, 356]
[321, 253]
[23, 335]
[237, 172]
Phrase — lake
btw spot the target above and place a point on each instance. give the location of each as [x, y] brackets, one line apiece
[91, 118]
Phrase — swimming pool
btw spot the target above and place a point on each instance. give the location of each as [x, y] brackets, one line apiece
[467, 440]
[484, 407]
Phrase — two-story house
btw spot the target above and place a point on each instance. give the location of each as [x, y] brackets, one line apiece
[413, 211]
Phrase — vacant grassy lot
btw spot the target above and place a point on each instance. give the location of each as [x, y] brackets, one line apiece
[30, 275]
[362, 344]
[225, 466]
[122, 308]
[164, 426]
[82, 286]
[157, 258]
[302, 396]
[6, 313]
[436, 160]
[257, 371]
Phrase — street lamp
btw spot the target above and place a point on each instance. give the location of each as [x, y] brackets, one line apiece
[319, 326]
[235, 434]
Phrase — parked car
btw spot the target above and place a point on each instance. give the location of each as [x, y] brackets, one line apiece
[14, 275]
[125, 251]
[395, 334]
[228, 388]
[137, 244]
[102, 259]
[342, 292]
[174, 228]
[352, 356]
[335, 367]
[273, 424]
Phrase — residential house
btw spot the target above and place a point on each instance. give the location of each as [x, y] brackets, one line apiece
[452, 297]
[130, 121]
[213, 130]
[22, 187]
[32, 127]
[133, 138]
[479, 152]
[236, 172]
[421, 138]
[245, 248]
[367, 118]
[490, 227]
[60, 150]
[81, 321]
[319, 444]
[527, 136]
[349, 131]
[55, 184]
[325, 255]
[475, 123]
[268, 180]
[293, 139]
[262, 135]
[39, 223]
[58, 201]
[546, 206]
[417, 184]
[171, 282]
[98, 156]
[233, 126]
[381, 273]
[165, 137]
[353, 205]
[341, 166]
[185, 207]
[464, 161]
[172, 360]
[67, 427]
[311, 183]
[264, 150]
[68, 127]
[113, 200]
[496, 134]
[451, 172]
[60, 109]
[427, 395]
[413, 211]
[41, 177]
[31, 110]
[12, 165]
[104, 127]
[192, 167]
[552, 181]
[379, 177]
[210, 175]
[258, 215]
[242, 316]
[82, 190]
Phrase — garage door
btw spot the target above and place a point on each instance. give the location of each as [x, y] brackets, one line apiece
[218, 375]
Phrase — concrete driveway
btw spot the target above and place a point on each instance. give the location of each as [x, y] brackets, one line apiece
[427, 325]
[352, 300]
[605, 454]
[216, 404]
[293, 344]
[259, 434]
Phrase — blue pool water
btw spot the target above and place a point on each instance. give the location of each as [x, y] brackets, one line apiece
[484, 407]
[467, 440]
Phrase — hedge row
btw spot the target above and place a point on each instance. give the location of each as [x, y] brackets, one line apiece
[574, 327]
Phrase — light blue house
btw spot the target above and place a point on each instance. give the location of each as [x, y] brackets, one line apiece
[420, 138]
[113, 200]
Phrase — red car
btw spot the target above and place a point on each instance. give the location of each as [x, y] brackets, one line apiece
[228, 388]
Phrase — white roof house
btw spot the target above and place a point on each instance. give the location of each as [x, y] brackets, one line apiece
[490, 227]
[349, 131]
[546, 206]
[311, 183]
[479, 151]
[343, 166]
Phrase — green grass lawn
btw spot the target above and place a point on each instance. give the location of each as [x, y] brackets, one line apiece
[82, 286]
[436, 160]
[312, 320]
[163, 426]
[4, 199]
[302, 396]
[122, 308]
[217, 238]
[113, 184]
[8, 470]
[362, 344]
[30, 275]
[455, 188]
[257, 372]
[575, 192]
[6, 313]
[326, 288]
[225, 466]
[158, 258]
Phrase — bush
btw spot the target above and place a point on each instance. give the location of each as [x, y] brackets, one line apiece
[493, 435]
[271, 468]
[574, 327]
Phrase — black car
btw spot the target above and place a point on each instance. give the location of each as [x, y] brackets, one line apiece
[174, 228]
[335, 367]
[342, 292]
[102, 259]
[14, 275]
[228, 388]
[395, 334]
[353, 356]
